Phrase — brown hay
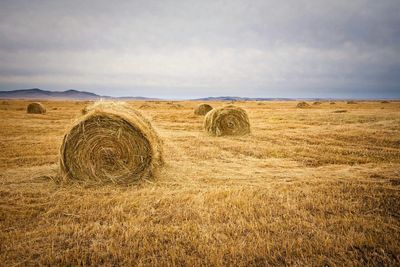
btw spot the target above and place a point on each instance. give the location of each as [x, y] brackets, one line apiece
[332, 103]
[202, 109]
[84, 110]
[351, 102]
[228, 120]
[385, 102]
[340, 111]
[145, 106]
[302, 105]
[317, 103]
[35, 108]
[177, 106]
[111, 143]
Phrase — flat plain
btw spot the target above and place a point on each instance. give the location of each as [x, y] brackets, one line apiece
[318, 186]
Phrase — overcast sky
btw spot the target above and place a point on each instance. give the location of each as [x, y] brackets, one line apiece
[185, 49]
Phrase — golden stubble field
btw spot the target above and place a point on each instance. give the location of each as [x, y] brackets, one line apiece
[307, 187]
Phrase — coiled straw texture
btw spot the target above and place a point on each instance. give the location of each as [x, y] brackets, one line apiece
[36, 108]
[228, 120]
[110, 143]
[202, 109]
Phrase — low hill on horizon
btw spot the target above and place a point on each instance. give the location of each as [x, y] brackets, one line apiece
[36, 93]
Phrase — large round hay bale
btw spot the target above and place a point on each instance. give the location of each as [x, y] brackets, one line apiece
[111, 143]
[202, 109]
[302, 105]
[36, 108]
[228, 120]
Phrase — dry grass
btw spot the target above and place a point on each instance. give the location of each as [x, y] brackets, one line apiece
[307, 187]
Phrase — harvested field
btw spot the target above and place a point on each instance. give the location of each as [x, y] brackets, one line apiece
[307, 187]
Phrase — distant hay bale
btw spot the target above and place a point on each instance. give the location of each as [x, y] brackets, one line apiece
[202, 109]
[145, 106]
[332, 103]
[228, 120]
[302, 105]
[385, 102]
[340, 111]
[110, 144]
[35, 108]
[351, 102]
[317, 103]
[84, 110]
[177, 106]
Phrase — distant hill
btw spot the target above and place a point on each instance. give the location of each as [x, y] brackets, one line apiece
[37, 93]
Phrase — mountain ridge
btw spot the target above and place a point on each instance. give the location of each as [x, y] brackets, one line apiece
[36, 93]
[73, 94]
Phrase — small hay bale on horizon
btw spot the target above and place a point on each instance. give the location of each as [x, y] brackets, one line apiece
[84, 111]
[385, 102]
[317, 103]
[202, 109]
[340, 111]
[228, 120]
[303, 105]
[351, 102]
[36, 108]
[145, 106]
[112, 143]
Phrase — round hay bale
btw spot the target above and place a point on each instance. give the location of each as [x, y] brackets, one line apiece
[332, 103]
[84, 111]
[351, 102]
[202, 109]
[317, 103]
[177, 106]
[35, 108]
[145, 106]
[340, 111]
[302, 105]
[228, 120]
[112, 143]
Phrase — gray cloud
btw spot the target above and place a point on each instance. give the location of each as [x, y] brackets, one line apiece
[202, 48]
